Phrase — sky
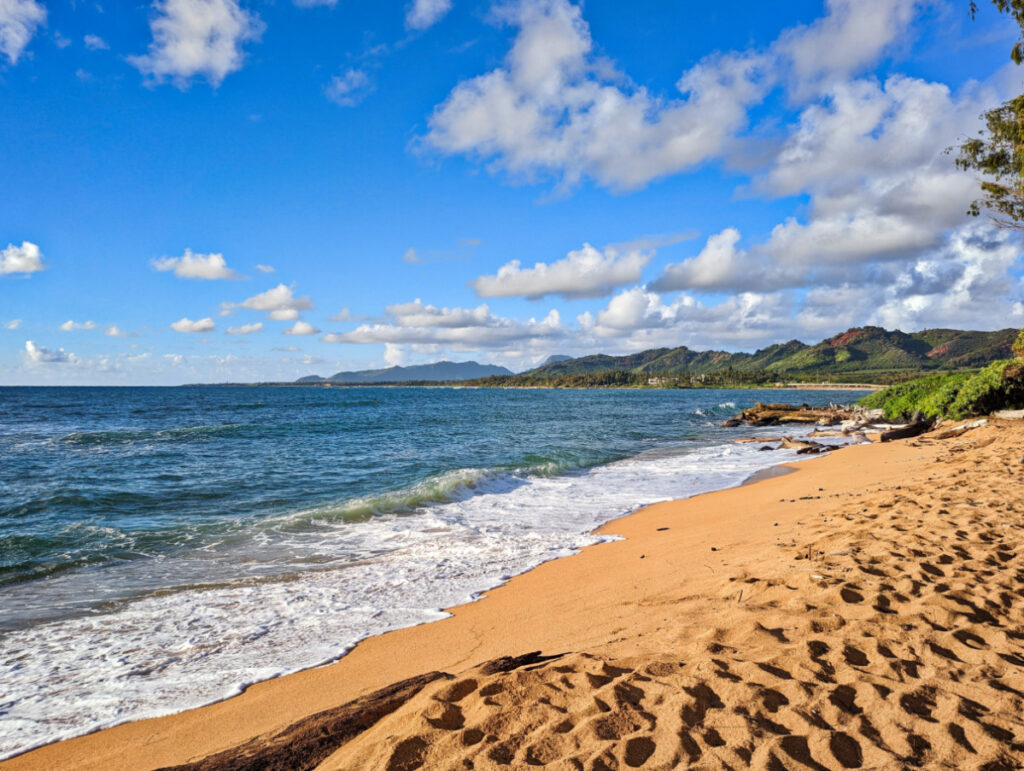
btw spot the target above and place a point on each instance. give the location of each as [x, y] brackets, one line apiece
[255, 190]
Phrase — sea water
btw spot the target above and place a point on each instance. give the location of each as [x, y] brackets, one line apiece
[162, 548]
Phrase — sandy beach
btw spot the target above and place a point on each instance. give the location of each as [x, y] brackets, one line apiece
[864, 611]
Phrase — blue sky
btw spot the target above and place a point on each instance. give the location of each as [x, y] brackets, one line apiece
[211, 190]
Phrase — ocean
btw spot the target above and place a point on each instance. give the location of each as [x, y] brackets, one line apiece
[163, 548]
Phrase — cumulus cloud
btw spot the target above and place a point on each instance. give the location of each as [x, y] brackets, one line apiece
[411, 257]
[96, 43]
[585, 272]
[349, 88]
[71, 326]
[266, 269]
[638, 318]
[189, 326]
[880, 188]
[553, 108]
[426, 13]
[19, 20]
[851, 36]
[36, 354]
[26, 258]
[457, 328]
[197, 38]
[280, 303]
[12, 324]
[343, 315]
[967, 282]
[208, 267]
[113, 330]
[245, 329]
[301, 328]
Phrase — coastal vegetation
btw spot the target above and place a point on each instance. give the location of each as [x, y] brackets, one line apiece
[998, 386]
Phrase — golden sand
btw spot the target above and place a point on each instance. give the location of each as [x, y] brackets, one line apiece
[866, 611]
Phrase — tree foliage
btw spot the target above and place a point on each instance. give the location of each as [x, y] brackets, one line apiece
[997, 153]
[1016, 9]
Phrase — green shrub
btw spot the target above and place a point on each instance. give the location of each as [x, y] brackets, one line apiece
[1018, 346]
[930, 396]
[998, 386]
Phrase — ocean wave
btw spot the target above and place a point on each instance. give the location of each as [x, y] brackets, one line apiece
[129, 436]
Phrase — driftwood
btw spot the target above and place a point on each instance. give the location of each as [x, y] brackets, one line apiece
[916, 428]
[803, 447]
[949, 433]
[774, 414]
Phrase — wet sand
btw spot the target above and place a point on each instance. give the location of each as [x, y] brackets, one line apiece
[865, 611]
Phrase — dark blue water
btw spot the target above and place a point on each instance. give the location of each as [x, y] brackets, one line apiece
[236, 533]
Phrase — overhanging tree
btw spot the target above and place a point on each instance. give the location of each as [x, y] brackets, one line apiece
[997, 153]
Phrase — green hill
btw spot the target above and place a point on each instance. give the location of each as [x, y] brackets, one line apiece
[858, 351]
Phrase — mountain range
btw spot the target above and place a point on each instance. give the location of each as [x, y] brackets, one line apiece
[858, 350]
[440, 371]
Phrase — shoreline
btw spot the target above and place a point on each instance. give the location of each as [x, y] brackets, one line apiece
[598, 535]
[582, 604]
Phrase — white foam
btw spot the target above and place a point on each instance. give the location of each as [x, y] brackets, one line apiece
[166, 653]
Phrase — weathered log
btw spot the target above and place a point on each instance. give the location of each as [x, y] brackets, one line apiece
[802, 447]
[916, 428]
[949, 433]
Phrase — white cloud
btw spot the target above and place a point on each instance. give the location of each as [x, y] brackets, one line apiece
[36, 354]
[852, 35]
[636, 319]
[246, 329]
[301, 328]
[71, 326]
[426, 13]
[554, 108]
[458, 328]
[343, 315]
[96, 43]
[314, 3]
[113, 330]
[265, 269]
[411, 257]
[19, 20]
[395, 355]
[197, 37]
[722, 265]
[188, 325]
[26, 258]
[209, 267]
[584, 272]
[280, 302]
[349, 89]
[12, 324]
[870, 159]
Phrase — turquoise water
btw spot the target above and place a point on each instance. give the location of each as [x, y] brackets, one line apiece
[161, 548]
